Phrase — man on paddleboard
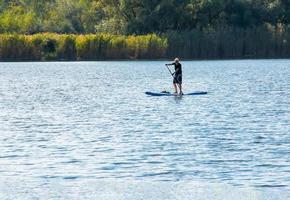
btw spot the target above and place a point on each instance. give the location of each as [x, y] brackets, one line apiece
[177, 76]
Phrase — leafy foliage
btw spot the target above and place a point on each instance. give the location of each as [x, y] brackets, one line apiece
[117, 29]
[138, 16]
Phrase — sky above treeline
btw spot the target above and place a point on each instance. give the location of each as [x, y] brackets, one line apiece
[138, 16]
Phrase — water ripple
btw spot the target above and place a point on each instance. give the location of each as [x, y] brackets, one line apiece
[61, 121]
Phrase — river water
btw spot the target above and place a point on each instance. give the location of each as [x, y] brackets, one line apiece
[87, 129]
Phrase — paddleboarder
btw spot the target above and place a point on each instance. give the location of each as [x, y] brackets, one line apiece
[177, 76]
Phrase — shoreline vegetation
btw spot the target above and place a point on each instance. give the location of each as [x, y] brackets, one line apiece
[70, 47]
[88, 30]
[226, 43]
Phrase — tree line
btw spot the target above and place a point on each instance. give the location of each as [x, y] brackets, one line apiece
[192, 28]
[138, 16]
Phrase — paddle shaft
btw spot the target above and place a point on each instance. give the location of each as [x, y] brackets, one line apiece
[179, 84]
[172, 74]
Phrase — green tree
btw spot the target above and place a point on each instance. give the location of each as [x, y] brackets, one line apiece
[70, 16]
[17, 19]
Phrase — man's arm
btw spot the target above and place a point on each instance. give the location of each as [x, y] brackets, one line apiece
[169, 69]
[177, 70]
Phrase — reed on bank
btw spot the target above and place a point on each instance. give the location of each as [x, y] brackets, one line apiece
[230, 43]
[50, 46]
[222, 43]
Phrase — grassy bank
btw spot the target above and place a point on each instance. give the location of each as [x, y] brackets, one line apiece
[50, 46]
[224, 43]
[230, 43]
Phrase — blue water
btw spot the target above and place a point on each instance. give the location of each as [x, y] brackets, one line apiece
[88, 124]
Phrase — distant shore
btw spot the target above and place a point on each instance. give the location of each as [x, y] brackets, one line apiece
[191, 45]
[138, 60]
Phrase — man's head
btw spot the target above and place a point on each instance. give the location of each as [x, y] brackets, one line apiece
[176, 60]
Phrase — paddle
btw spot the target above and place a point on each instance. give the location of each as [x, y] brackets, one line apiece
[169, 70]
[173, 76]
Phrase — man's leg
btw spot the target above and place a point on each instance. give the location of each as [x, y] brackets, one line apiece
[175, 87]
[180, 88]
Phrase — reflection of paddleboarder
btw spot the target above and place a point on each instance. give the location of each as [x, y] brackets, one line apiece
[177, 76]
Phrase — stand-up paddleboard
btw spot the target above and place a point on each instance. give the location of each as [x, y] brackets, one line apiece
[170, 94]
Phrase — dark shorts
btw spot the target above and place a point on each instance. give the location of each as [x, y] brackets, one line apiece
[177, 78]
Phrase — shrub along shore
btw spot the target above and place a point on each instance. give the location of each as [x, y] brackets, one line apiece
[225, 43]
[50, 46]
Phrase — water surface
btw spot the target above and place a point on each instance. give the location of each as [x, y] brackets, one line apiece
[80, 122]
